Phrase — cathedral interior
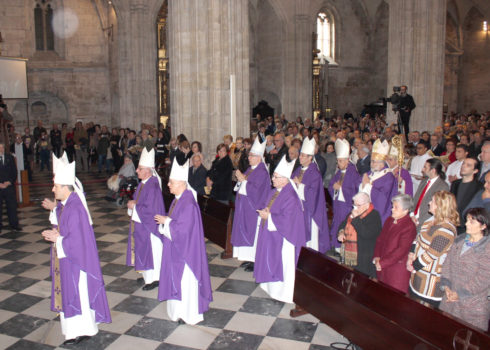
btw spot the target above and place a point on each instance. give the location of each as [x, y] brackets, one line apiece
[207, 64]
[203, 66]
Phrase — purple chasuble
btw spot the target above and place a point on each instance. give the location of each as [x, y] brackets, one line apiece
[81, 255]
[186, 247]
[315, 206]
[382, 191]
[245, 218]
[287, 216]
[350, 186]
[150, 203]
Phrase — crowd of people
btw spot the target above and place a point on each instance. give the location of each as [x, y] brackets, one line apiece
[411, 212]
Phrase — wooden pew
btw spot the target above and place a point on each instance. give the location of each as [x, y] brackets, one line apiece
[217, 221]
[373, 315]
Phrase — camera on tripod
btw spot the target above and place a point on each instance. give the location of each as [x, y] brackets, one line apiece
[395, 99]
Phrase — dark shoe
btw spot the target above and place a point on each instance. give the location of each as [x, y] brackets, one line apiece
[140, 280]
[245, 264]
[150, 286]
[297, 311]
[17, 228]
[76, 340]
[181, 321]
[250, 267]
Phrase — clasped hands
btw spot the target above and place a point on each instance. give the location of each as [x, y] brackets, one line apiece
[51, 235]
[264, 213]
[239, 175]
[160, 219]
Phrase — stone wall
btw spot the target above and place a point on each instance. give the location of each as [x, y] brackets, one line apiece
[74, 76]
[474, 78]
[269, 57]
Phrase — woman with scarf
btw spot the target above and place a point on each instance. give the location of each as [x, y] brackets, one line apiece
[358, 234]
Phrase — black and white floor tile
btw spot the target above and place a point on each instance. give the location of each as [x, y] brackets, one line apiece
[241, 316]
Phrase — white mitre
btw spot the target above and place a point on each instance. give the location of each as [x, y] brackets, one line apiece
[147, 159]
[65, 173]
[258, 148]
[59, 161]
[308, 146]
[342, 148]
[393, 151]
[179, 172]
[284, 168]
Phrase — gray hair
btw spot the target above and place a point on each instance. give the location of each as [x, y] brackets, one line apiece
[404, 199]
[362, 197]
[197, 155]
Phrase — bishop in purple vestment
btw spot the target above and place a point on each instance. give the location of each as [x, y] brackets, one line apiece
[403, 178]
[144, 250]
[253, 189]
[282, 233]
[78, 292]
[311, 191]
[184, 277]
[379, 182]
[342, 188]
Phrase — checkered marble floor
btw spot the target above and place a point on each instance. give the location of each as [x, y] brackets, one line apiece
[241, 316]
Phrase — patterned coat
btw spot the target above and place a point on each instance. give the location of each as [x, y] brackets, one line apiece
[430, 248]
[468, 274]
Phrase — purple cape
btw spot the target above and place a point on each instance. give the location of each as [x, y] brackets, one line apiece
[81, 255]
[315, 206]
[287, 216]
[340, 209]
[186, 247]
[382, 191]
[150, 203]
[245, 218]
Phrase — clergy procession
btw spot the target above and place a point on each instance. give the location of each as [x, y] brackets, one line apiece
[374, 225]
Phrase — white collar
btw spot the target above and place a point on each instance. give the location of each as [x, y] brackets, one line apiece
[64, 202]
[145, 181]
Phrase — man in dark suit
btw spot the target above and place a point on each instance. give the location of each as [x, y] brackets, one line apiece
[280, 149]
[8, 174]
[433, 182]
[435, 146]
[465, 188]
[364, 162]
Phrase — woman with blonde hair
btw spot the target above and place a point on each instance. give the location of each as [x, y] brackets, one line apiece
[430, 248]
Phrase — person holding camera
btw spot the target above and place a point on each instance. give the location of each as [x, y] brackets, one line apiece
[406, 105]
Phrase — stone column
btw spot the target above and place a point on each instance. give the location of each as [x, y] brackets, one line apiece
[416, 44]
[208, 42]
[451, 83]
[297, 71]
[136, 59]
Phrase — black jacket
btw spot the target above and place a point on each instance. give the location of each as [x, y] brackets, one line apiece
[465, 198]
[8, 170]
[197, 179]
[274, 159]
[220, 173]
[363, 165]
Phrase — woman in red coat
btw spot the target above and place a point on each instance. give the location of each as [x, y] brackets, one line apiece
[393, 244]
